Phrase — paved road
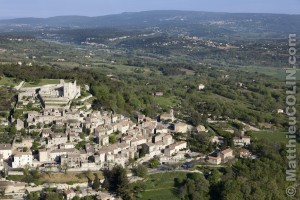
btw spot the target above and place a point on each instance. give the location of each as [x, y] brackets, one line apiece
[157, 171]
[217, 166]
[252, 128]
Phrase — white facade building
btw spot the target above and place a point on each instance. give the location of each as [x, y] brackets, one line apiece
[21, 159]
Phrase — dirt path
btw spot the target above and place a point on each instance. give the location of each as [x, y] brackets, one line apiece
[18, 87]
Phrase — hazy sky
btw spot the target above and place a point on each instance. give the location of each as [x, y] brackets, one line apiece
[46, 8]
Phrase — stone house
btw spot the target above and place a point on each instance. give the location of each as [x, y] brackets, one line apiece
[217, 139]
[161, 129]
[69, 194]
[214, 160]
[181, 127]
[99, 131]
[153, 149]
[46, 132]
[57, 153]
[5, 150]
[103, 140]
[175, 148]
[244, 153]
[123, 126]
[167, 116]
[138, 141]
[72, 159]
[44, 155]
[74, 136]
[226, 154]
[201, 128]
[167, 139]
[57, 139]
[241, 141]
[158, 137]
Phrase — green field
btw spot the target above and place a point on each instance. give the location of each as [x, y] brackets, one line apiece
[8, 81]
[119, 69]
[269, 135]
[166, 101]
[269, 71]
[42, 82]
[66, 64]
[161, 194]
[161, 186]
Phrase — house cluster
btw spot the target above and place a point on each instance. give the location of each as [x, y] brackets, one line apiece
[71, 193]
[86, 139]
[220, 156]
[16, 155]
[83, 139]
[223, 156]
[98, 151]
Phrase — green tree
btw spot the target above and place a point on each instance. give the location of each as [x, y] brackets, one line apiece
[154, 163]
[27, 175]
[33, 196]
[96, 182]
[142, 151]
[194, 187]
[76, 198]
[214, 177]
[119, 183]
[120, 101]
[52, 196]
[64, 166]
[12, 130]
[141, 171]
[105, 184]
[112, 139]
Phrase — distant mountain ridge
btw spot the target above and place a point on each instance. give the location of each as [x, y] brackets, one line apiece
[281, 23]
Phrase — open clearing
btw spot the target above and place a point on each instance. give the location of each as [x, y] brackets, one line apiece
[8, 81]
[161, 186]
[42, 82]
[69, 177]
[269, 135]
[166, 101]
[269, 71]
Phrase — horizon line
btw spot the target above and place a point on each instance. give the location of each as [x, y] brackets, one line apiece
[119, 13]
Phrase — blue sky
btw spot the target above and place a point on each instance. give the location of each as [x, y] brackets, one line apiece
[47, 8]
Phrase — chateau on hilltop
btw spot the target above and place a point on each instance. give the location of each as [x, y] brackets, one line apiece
[53, 95]
[62, 90]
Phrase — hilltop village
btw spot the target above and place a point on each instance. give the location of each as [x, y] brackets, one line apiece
[148, 105]
[70, 135]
